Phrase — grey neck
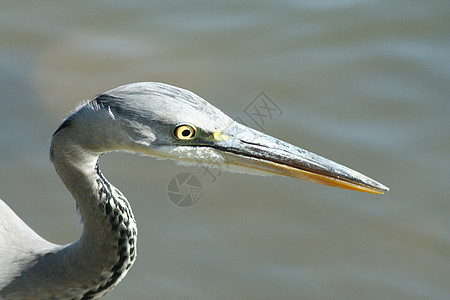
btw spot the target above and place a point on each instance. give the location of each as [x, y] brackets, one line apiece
[101, 257]
[107, 247]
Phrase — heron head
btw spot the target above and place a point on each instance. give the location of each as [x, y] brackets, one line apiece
[167, 122]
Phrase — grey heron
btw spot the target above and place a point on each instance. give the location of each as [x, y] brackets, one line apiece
[153, 119]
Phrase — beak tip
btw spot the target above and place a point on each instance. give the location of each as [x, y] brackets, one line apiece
[380, 189]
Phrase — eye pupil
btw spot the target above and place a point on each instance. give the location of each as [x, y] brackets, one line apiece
[186, 132]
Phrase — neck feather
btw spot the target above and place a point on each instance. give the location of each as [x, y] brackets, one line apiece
[100, 258]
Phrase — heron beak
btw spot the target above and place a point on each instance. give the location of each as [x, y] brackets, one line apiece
[250, 149]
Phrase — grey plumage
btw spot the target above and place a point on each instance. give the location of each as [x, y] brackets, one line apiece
[141, 118]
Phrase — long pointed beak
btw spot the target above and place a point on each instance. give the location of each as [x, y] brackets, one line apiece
[250, 149]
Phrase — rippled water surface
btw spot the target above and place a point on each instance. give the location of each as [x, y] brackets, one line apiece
[365, 83]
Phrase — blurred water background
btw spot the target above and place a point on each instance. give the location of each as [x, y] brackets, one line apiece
[365, 83]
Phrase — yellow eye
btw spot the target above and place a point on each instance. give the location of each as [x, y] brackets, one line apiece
[184, 132]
